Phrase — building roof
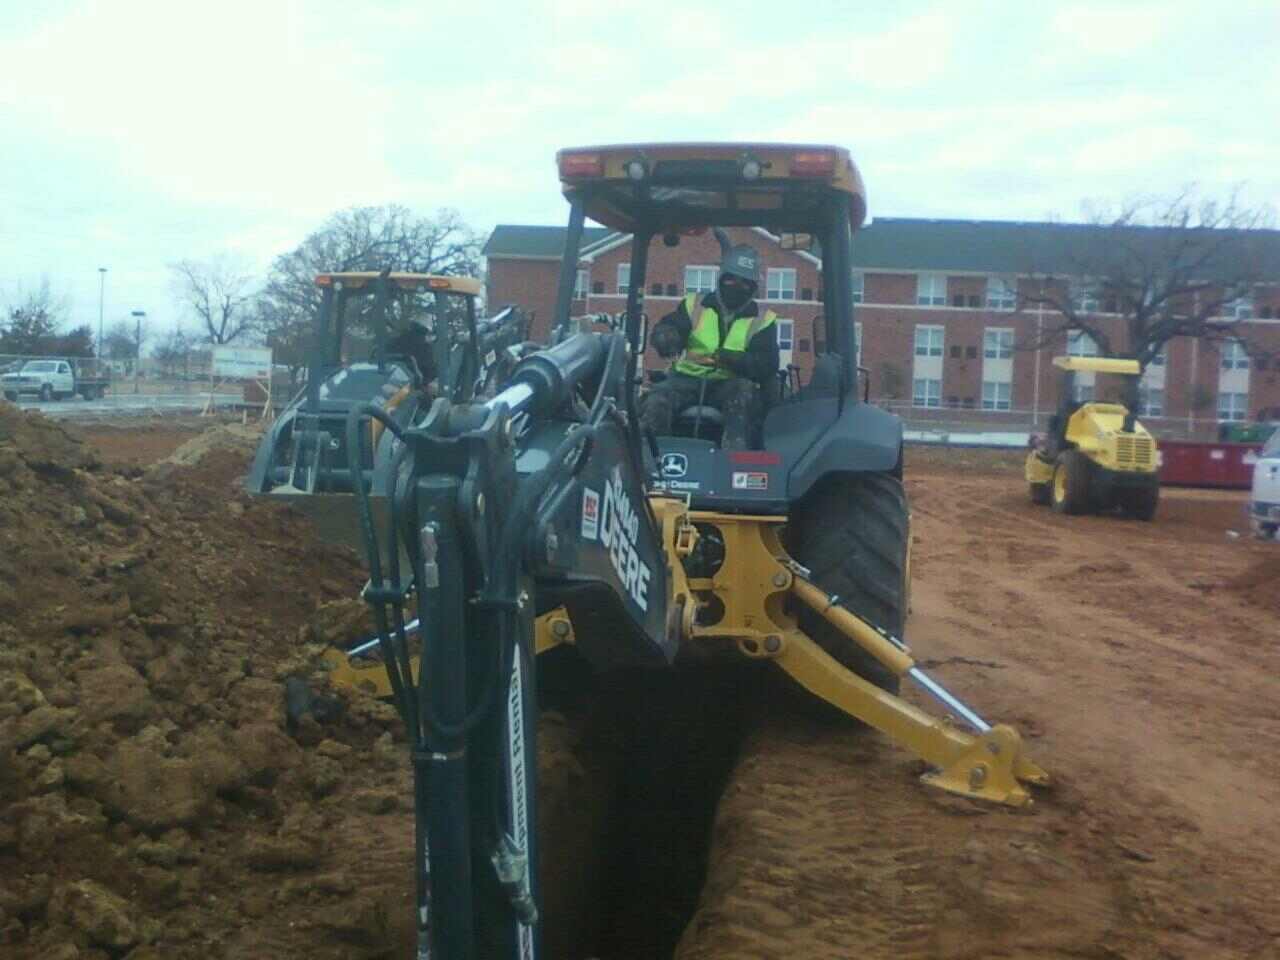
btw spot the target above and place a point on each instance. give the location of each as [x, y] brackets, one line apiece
[910, 244]
[1017, 247]
[520, 240]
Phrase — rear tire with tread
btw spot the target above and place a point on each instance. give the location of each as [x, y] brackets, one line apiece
[852, 533]
[1141, 503]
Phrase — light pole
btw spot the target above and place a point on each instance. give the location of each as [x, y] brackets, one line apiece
[102, 289]
[137, 345]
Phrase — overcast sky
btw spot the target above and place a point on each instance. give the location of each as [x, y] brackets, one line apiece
[140, 131]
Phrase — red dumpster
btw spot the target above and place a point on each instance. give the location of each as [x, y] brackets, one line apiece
[1192, 463]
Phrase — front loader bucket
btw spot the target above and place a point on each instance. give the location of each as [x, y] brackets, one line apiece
[334, 514]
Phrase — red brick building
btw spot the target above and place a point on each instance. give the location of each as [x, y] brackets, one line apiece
[943, 322]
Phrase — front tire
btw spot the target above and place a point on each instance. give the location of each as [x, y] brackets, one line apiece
[46, 393]
[852, 534]
[1070, 484]
[1142, 503]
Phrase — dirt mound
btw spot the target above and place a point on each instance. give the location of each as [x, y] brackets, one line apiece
[155, 798]
[238, 438]
[153, 794]
[1260, 584]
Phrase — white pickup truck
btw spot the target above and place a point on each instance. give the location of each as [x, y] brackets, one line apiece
[51, 379]
[1264, 504]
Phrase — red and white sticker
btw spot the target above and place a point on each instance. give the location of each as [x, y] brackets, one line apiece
[750, 481]
[590, 514]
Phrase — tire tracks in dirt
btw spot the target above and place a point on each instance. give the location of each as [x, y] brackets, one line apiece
[1151, 700]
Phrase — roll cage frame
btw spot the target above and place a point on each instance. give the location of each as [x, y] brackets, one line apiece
[339, 290]
[820, 210]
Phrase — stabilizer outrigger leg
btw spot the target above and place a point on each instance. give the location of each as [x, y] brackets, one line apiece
[988, 764]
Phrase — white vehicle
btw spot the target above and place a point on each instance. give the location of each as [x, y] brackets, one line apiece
[1264, 505]
[51, 379]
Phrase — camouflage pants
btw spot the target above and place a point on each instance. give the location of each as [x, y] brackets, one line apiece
[736, 400]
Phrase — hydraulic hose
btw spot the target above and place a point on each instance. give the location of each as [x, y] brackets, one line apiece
[355, 458]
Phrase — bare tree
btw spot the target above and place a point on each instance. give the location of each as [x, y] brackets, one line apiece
[220, 294]
[171, 352]
[124, 339]
[1184, 266]
[361, 238]
[32, 318]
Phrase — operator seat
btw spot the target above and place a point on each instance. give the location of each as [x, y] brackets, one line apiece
[708, 419]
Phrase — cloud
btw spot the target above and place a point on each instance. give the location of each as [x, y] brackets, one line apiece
[139, 131]
[1109, 29]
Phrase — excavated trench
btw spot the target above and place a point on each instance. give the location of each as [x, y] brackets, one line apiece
[627, 833]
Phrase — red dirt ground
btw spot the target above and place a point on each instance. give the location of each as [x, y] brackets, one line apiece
[155, 803]
[137, 446]
[1142, 678]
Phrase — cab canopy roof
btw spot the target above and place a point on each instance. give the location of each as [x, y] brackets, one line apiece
[674, 186]
[355, 280]
[1098, 365]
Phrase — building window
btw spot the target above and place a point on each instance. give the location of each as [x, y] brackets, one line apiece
[597, 286]
[624, 277]
[1234, 356]
[699, 279]
[996, 395]
[931, 290]
[1232, 406]
[997, 344]
[1002, 293]
[1081, 344]
[1241, 308]
[859, 285]
[786, 334]
[1083, 393]
[926, 393]
[671, 290]
[857, 343]
[655, 289]
[780, 283]
[1084, 298]
[928, 341]
[1150, 402]
[580, 285]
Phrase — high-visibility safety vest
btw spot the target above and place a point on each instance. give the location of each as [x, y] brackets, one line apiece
[704, 338]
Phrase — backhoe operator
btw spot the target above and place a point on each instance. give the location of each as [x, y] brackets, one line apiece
[728, 352]
[416, 342]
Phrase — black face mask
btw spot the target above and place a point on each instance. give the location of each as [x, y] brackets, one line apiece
[734, 295]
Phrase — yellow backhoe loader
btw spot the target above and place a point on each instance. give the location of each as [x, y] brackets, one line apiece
[545, 517]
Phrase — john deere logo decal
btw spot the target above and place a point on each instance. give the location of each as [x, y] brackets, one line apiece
[674, 465]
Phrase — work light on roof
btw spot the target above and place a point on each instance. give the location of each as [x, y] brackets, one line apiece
[574, 165]
[751, 169]
[813, 163]
[637, 169]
